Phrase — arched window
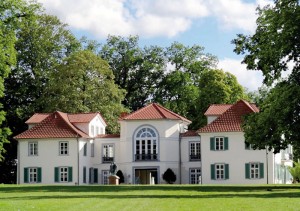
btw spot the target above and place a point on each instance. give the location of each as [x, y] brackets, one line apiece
[146, 144]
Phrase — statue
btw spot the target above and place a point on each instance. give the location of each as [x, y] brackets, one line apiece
[113, 168]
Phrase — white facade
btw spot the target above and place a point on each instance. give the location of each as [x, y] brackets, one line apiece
[143, 151]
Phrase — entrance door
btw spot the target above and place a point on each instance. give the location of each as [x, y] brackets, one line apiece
[145, 176]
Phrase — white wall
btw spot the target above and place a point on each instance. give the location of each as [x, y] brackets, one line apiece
[236, 156]
[186, 164]
[48, 158]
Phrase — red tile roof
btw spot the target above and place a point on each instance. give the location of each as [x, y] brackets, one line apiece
[82, 118]
[189, 133]
[37, 118]
[217, 109]
[73, 118]
[153, 111]
[108, 136]
[231, 119]
[55, 125]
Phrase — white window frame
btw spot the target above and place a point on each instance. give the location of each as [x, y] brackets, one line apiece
[219, 143]
[146, 144]
[105, 175]
[63, 148]
[195, 149]
[195, 175]
[108, 151]
[63, 174]
[254, 170]
[33, 148]
[32, 175]
[220, 171]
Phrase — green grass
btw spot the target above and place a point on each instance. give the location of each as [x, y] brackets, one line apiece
[158, 197]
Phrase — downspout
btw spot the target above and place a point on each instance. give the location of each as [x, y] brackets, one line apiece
[18, 163]
[267, 165]
[179, 158]
[77, 160]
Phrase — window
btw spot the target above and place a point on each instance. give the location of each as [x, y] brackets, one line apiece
[84, 149]
[92, 130]
[84, 174]
[97, 130]
[32, 175]
[63, 174]
[195, 176]
[92, 149]
[254, 170]
[248, 146]
[108, 153]
[105, 175]
[219, 171]
[195, 152]
[146, 144]
[93, 175]
[33, 148]
[63, 148]
[219, 143]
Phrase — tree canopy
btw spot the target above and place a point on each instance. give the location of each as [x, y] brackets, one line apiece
[83, 82]
[273, 49]
[12, 15]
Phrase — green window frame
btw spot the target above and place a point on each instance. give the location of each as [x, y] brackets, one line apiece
[84, 174]
[254, 170]
[219, 171]
[219, 143]
[32, 175]
[63, 174]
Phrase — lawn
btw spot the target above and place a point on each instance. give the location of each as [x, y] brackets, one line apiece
[158, 197]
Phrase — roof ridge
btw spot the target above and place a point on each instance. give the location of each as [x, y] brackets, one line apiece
[71, 126]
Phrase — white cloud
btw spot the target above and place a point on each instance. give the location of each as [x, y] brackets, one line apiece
[150, 18]
[248, 78]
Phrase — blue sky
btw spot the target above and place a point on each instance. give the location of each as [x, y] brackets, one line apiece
[209, 23]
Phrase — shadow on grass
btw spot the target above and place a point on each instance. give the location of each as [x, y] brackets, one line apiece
[125, 188]
[160, 196]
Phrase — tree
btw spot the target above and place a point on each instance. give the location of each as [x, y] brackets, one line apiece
[169, 176]
[12, 13]
[136, 70]
[273, 49]
[84, 83]
[216, 87]
[42, 42]
[121, 175]
[295, 171]
[178, 89]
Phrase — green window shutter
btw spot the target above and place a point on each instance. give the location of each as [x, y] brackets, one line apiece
[212, 172]
[90, 175]
[84, 174]
[39, 174]
[226, 171]
[95, 175]
[70, 174]
[56, 174]
[212, 143]
[226, 143]
[26, 178]
[261, 170]
[247, 170]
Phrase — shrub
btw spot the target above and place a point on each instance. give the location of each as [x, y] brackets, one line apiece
[169, 176]
[120, 174]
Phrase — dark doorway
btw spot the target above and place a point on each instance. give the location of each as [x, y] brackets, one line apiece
[145, 176]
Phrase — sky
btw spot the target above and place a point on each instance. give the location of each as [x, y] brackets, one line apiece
[212, 24]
